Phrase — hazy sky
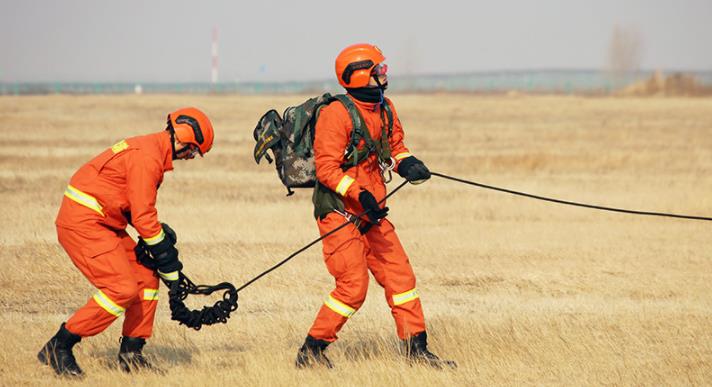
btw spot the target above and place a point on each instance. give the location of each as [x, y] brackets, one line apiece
[169, 41]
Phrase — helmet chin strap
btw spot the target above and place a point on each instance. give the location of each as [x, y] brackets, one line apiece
[381, 88]
[173, 141]
[181, 151]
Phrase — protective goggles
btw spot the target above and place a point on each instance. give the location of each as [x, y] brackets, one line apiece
[189, 151]
[380, 69]
[194, 150]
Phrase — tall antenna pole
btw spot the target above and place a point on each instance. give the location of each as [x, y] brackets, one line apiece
[214, 49]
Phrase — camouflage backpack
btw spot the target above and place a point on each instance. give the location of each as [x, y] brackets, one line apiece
[291, 139]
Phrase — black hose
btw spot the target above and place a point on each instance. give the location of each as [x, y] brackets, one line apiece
[634, 212]
[209, 315]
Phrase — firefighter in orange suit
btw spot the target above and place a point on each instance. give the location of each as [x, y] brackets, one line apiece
[369, 243]
[116, 188]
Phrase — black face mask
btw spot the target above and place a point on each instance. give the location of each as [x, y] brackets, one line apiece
[366, 94]
[369, 94]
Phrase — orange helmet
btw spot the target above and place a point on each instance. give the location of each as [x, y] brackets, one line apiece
[354, 64]
[191, 126]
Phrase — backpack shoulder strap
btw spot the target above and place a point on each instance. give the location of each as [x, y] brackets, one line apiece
[356, 118]
[359, 131]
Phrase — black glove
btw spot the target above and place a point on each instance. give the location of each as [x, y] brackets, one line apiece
[364, 227]
[164, 252]
[413, 170]
[143, 256]
[170, 233]
[370, 204]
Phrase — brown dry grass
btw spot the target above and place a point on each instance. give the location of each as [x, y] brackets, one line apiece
[517, 291]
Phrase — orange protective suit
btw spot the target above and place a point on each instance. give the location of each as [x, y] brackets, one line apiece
[348, 254]
[116, 187]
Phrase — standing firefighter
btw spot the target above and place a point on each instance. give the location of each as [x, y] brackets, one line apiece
[351, 183]
[116, 188]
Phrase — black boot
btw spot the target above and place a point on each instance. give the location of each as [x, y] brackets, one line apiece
[312, 353]
[416, 348]
[57, 353]
[130, 356]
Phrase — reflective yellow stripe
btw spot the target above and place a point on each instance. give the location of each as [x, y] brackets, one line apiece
[402, 298]
[339, 307]
[265, 142]
[119, 146]
[172, 276]
[344, 185]
[156, 239]
[403, 155]
[105, 302]
[150, 294]
[83, 199]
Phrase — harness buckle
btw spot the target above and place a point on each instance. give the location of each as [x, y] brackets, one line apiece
[387, 167]
[350, 217]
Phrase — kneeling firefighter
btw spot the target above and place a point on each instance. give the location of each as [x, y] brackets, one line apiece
[116, 188]
[349, 184]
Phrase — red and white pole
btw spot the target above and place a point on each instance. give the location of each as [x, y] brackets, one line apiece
[214, 49]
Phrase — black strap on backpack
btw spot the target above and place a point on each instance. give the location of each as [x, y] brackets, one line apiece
[382, 148]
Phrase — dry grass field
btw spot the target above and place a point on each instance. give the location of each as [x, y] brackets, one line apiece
[517, 291]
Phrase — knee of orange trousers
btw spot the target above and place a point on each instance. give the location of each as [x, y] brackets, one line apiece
[125, 292]
[145, 277]
[350, 271]
[352, 290]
